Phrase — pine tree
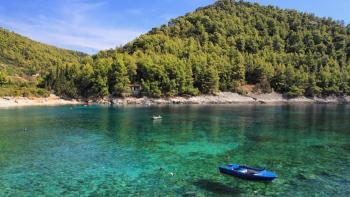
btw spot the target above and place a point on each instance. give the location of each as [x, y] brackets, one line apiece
[120, 78]
[2, 79]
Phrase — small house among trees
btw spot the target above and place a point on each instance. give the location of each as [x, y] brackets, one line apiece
[135, 89]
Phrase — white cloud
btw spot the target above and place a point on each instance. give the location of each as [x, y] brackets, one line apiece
[72, 28]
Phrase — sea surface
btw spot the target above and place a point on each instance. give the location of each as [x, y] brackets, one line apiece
[121, 151]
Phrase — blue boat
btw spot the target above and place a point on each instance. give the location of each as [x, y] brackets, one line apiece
[248, 173]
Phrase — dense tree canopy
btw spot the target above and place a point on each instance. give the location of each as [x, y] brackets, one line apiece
[216, 48]
[22, 58]
[30, 57]
[2, 78]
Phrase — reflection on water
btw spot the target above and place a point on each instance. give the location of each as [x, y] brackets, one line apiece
[119, 150]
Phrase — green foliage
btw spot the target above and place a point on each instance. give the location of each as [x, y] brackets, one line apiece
[2, 79]
[23, 91]
[119, 78]
[216, 48]
[206, 76]
[295, 91]
[229, 44]
[23, 57]
[32, 57]
[263, 86]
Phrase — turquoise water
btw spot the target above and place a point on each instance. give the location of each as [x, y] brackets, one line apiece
[106, 151]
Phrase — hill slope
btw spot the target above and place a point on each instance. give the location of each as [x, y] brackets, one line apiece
[21, 57]
[25, 56]
[292, 52]
[221, 47]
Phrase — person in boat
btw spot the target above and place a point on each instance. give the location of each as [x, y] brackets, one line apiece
[251, 172]
[248, 171]
[157, 117]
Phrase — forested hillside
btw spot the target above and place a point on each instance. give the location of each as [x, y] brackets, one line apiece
[23, 62]
[221, 47]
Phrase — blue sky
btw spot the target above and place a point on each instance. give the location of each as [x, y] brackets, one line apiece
[92, 25]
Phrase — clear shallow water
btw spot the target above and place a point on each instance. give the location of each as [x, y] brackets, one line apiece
[102, 151]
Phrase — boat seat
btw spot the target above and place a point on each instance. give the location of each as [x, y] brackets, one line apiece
[251, 172]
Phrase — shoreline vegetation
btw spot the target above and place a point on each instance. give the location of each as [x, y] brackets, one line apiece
[222, 47]
[220, 98]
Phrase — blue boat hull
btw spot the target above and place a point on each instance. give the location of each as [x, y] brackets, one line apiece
[257, 175]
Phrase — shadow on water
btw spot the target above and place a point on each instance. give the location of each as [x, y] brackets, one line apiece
[215, 187]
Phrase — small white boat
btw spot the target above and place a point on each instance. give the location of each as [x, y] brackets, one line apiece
[157, 117]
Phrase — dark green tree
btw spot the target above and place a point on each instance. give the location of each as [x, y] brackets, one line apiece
[119, 81]
[2, 79]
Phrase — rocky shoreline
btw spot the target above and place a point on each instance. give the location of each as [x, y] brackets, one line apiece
[52, 100]
[220, 98]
